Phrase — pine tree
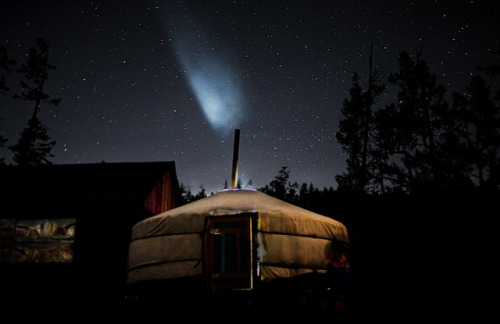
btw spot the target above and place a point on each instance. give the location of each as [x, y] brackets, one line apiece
[35, 135]
[356, 131]
[416, 123]
[5, 66]
[35, 71]
[185, 194]
[201, 193]
[349, 136]
[34, 145]
[480, 125]
[249, 183]
[278, 186]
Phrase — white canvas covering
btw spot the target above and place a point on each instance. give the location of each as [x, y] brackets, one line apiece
[290, 240]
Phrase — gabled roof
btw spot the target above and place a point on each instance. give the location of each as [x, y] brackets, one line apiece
[25, 190]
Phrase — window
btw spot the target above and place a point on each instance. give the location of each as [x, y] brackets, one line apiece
[36, 240]
[229, 251]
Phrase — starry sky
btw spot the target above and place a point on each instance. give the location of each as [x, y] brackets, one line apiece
[171, 80]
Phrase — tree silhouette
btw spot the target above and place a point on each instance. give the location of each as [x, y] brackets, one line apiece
[249, 183]
[185, 194]
[419, 142]
[416, 125]
[36, 70]
[34, 145]
[278, 187]
[3, 140]
[492, 70]
[5, 66]
[305, 195]
[356, 131]
[479, 124]
[349, 136]
[201, 193]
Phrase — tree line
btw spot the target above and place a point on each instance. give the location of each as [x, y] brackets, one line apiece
[305, 195]
[34, 145]
[421, 141]
[417, 143]
[420, 144]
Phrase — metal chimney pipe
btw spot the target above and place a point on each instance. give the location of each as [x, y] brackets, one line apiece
[236, 148]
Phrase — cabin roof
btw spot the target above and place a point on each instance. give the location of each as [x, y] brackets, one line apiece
[71, 186]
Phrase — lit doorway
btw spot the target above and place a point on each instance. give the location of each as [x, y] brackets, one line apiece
[229, 252]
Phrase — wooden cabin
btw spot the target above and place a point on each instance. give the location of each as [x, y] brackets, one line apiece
[65, 229]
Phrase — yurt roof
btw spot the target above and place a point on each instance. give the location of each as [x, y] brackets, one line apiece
[275, 216]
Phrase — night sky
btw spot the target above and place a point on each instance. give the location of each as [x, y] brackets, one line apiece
[171, 80]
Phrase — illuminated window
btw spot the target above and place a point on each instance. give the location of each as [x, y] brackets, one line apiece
[36, 240]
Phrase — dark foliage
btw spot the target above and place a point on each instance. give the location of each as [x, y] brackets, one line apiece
[5, 66]
[187, 196]
[420, 142]
[35, 72]
[34, 146]
[356, 133]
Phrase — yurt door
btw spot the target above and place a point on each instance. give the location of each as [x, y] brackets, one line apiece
[229, 252]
